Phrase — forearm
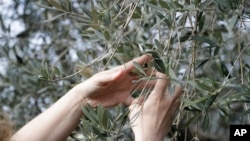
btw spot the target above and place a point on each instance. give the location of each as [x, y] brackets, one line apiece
[148, 136]
[56, 123]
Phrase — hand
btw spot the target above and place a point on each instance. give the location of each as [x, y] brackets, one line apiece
[151, 120]
[113, 86]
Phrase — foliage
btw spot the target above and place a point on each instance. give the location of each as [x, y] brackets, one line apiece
[204, 44]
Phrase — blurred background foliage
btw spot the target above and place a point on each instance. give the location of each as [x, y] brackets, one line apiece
[47, 46]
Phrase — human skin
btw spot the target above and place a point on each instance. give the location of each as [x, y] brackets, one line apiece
[152, 119]
[107, 88]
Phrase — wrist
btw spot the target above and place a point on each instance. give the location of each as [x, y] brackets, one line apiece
[148, 137]
[78, 94]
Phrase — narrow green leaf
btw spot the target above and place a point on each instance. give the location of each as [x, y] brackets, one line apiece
[80, 56]
[107, 18]
[55, 4]
[171, 73]
[100, 111]
[54, 18]
[106, 35]
[223, 111]
[199, 86]
[204, 40]
[225, 3]
[159, 65]
[68, 5]
[184, 38]
[233, 21]
[201, 22]
[93, 12]
[194, 102]
[245, 113]
[216, 50]
[44, 73]
[154, 53]
[139, 68]
[99, 35]
[209, 102]
[192, 119]
[178, 5]
[105, 119]
[154, 6]
[164, 4]
[201, 63]
[44, 6]
[90, 114]
[159, 45]
[205, 86]
[87, 13]
[205, 122]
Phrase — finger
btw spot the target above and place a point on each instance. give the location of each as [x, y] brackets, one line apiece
[128, 101]
[105, 77]
[140, 60]
[176, 105]
[173, 110]
[177, 93]
[146, 84]
[161, 84]
[137, 102]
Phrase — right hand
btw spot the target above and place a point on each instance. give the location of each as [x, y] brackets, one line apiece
[152, 119]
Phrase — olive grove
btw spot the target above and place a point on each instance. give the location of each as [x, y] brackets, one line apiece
[48, 46]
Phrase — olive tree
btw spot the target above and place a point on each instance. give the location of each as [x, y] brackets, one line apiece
[202, 45]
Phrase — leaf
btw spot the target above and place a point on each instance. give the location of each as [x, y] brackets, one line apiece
[233, 21]
[204, 40]
[55, 72]
[194, 102]
[55, 4]
[154, 6]
[106, 35]
[90, 114]
[225, 3]
[159, 65]
[159, 45]
[94, 13]
[102, 116]
[107, 18]
[154, 53]
[139, 68]
[209, 102]
[44, 6]
[205, 4]
[201, 22]
[206, 85]
[245, 113]
[201, 87]
[54, 18]
[205, 122]
[201, 63]
[216, 50]
[171, 73]
[223, 111]
[222, 68]
[164, 4]
[80, 56]
[178, 5]
[68, 5]
[44, 73]
[99, 35]
[192, 119]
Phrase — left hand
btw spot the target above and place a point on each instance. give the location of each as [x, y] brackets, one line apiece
[113, 86]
